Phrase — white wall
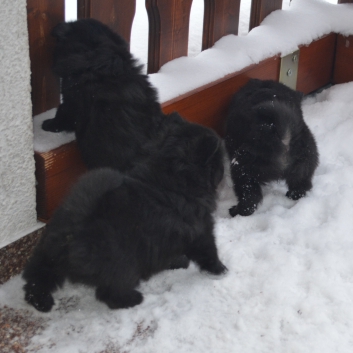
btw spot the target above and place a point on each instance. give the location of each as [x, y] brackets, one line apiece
[17, 181]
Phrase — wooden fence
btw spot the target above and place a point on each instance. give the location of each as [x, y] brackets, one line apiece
[327, 60]
[168, 32]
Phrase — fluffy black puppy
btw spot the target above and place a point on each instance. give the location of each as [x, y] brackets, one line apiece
[267, 139]
[114, 230]
[107, 101]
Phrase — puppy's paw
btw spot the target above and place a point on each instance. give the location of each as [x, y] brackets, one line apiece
[295, 194]
[233, 211]
[216, 268]
[242, 211]
[41, 299]
[50, 125]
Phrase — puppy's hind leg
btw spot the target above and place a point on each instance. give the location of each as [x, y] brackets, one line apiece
[297, 188]
[118, 299]
[305, 159]
[42, 277]
[298, 178]
[249, 193]
[179, 262]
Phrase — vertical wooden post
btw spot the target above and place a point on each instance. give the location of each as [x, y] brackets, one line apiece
[117, 14]
[168, 31]
[260, 9]
[343, 68]
[42, 16]
[221, 17]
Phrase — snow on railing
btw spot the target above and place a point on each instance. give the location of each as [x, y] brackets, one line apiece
[168, 32]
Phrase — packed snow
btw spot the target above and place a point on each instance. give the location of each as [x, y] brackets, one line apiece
[280, 33]
[289, 287]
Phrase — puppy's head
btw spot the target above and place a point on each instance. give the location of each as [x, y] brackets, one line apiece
[193, 154]
[89, 46]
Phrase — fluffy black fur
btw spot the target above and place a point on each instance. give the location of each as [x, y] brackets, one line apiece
[267, 139]
[107, 101]
[114, 230]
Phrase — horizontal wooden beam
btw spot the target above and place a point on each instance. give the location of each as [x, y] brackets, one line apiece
[207, 105]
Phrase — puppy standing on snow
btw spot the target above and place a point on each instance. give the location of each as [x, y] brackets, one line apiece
[114, 230]
[107, 101]
[267, 139]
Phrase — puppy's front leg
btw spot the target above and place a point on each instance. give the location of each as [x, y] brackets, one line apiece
[63, 120]
[204, 252]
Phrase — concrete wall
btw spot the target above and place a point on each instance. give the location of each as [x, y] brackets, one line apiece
[17, 181]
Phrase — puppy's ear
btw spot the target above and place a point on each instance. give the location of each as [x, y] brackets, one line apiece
[61, 30]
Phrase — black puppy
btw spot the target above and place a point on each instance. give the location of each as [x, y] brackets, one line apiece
[114, 230]
[267, 139]
[107, 101]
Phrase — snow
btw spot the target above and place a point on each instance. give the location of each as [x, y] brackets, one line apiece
[300, 22]
[45, 141]
[280, 33]
[289, 288]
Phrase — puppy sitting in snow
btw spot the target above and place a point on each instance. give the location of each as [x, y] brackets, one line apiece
[107, 101]
[114, 230]
[267, 139]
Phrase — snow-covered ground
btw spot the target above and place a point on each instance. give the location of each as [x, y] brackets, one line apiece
[289, 288]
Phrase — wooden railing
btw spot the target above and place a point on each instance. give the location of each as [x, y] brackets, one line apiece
[326, 60]
[168, 32]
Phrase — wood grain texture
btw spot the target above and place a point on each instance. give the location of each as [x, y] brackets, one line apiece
[260, 9]
[42, 16]
[343, 68]
[221, 17]
[316, 64]
[118, 15]
[168, 31]
[56, 172]
[208, 104]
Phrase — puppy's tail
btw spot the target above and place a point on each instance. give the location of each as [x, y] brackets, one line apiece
[87, 191]
[275, 116]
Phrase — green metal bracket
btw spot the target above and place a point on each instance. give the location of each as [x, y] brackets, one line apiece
[289, 70]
